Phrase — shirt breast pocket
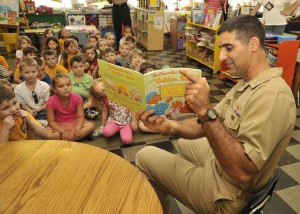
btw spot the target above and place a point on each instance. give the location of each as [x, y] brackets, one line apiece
[234, 122]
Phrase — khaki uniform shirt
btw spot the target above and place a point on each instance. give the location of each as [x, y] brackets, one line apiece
[260, 114]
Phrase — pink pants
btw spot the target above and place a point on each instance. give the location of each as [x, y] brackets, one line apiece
[125, 131]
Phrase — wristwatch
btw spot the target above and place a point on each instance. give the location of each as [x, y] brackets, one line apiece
[211, 115]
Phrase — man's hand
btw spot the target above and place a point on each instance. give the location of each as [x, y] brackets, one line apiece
[197, 93]
[156, 122]
[9, 122]
[110, 1]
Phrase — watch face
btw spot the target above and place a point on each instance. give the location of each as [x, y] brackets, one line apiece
[211, 114]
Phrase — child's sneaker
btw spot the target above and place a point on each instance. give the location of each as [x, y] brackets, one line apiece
[97, 132]
[91, 114]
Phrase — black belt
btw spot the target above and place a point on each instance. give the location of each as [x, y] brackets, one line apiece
[120, 4]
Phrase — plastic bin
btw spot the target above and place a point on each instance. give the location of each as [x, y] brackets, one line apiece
[10, 40]
[285, 38]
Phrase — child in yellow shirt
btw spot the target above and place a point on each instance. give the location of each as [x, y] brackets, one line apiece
[28, 52]
[52, 68]
[15, 123]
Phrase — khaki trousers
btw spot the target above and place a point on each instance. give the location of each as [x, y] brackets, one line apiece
[188, 177]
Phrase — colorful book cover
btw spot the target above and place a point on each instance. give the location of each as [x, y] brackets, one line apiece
[161, 90]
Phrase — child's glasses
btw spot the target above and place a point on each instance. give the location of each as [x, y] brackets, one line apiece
[35, 97]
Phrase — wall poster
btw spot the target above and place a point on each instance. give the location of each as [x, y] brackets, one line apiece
[9, 12]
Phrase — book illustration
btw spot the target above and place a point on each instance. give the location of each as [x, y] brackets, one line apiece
[161, 90]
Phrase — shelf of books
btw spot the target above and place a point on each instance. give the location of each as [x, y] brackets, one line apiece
[202, 45]
[149, 29]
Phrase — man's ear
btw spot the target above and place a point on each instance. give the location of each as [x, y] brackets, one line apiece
[254, 44]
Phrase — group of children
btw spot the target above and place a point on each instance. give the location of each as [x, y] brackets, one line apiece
[54, 93]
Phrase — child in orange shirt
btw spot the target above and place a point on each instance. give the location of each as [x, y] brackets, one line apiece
[70, 50]
[15, 123]
[63, 34]
[52, 68]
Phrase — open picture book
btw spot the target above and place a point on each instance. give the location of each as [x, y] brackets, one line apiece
[161, 90]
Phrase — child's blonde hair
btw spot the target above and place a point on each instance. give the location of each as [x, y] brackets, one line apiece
[108, 34]
[27, 62]
[125, 43]
[20, 39]
[95, 98]
[135, 52]
[98, 33]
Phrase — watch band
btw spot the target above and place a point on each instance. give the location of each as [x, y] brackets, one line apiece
[210, 115]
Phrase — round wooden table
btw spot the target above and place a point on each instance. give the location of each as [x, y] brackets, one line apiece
[47, 176]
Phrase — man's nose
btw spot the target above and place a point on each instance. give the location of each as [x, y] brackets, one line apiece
[223, 56]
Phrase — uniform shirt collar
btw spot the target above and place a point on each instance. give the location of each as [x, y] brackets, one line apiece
[260, 79]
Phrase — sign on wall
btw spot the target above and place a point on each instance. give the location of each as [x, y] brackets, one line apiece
[9, 12]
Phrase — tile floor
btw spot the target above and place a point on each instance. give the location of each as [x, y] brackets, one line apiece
[287, 192]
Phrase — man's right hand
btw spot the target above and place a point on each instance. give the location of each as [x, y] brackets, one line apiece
[156, 122]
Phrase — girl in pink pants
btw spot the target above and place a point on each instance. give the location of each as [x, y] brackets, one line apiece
[115, 118]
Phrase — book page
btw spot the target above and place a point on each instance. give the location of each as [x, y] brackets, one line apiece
[165, 90]
[123, 86]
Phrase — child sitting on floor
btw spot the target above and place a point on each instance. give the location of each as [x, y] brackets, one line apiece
[126, 32]
[15, 123]
[32, 94]
[102, 45]
[65, 112]
[91, 52]
[123, 57]
[131, 41]
[110, 37]
[28, 52]
[70, 50]
[52, 68]
[81, 82]
[115, 118]
[136, 58]
[42, 75]
[23, 42]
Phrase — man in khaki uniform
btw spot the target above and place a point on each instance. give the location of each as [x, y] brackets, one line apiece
[241, 139]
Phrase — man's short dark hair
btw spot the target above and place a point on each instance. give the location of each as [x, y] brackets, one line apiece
[246, 27]
[30, 49]
[76, 58]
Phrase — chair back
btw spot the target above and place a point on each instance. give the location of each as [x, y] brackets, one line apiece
[261, 198]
